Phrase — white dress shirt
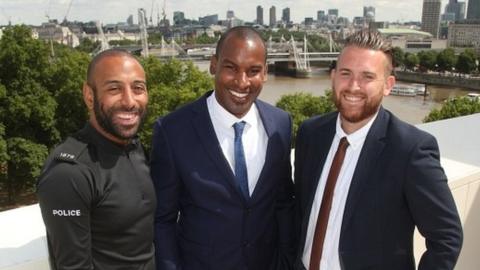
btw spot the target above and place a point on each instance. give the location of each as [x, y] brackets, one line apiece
[330, 257]
[254, 138]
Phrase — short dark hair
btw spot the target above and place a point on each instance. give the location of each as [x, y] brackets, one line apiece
[244, 32]
[97, 58]
[373, 40]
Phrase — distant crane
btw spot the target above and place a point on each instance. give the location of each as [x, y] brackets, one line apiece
[151, 13]
[68, 11]
[101, 36]
[143, 31]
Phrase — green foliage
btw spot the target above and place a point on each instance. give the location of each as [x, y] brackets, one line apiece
[302, 106]
[25, 163]
[122, 42]
[411, 61]
[453, 108]
[205, 39]
[65, 84]
[446, 60]
[427, 59]
[39, 98]
[171, 84]
[466, 62]
[398, 57]
[87, 45]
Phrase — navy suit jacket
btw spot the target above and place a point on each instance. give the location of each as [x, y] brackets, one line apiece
[202, 220]
[398, 184]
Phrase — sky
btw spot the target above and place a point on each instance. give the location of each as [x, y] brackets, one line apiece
[112, 11]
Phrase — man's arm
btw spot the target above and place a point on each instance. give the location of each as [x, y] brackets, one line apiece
[65, 196]
[285, 209]
[167, 188]
[432, 207]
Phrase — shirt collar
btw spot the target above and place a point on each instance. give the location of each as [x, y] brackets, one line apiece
[357, 138]
[96, 138]
[226, 119]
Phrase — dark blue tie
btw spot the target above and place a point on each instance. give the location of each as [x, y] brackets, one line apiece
[240, 164]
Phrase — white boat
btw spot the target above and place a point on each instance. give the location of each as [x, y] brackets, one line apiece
[473, 96]
[403, 90]
[409, 90]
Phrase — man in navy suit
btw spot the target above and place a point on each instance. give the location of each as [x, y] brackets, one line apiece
[221, 170]
[390, 180]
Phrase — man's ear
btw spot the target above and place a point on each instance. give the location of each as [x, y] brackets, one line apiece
[389, 83]
[265, 73]
[88, 96]
[213, 64]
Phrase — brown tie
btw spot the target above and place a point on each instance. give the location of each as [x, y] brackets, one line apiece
[322, 220]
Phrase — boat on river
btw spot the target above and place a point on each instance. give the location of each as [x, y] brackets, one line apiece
[410, 90]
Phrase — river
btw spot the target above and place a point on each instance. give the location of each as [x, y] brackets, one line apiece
[410, 109]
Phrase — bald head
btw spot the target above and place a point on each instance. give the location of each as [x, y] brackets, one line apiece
[241, 32]
[99, 57]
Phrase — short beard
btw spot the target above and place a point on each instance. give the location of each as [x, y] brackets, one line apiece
[104, 119]
[367, 111]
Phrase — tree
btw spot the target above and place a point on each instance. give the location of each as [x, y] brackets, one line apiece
[65, 82]
[466, 62]
[171, 84]
[453, 108]
[398, 57]
[411, 61]
[302, 106]
[446, 60]
[427, 59]
[25, 163]
[87, 45]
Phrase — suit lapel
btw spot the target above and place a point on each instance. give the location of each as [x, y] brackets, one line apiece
[371, 151]
[321, 141]
[273, 146]
[204, 128]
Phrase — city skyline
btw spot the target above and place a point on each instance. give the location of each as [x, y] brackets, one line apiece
[112, 11]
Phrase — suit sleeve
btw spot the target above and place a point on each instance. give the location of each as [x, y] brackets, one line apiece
[167, 187]
[285, 209]
[64, 193]
[432, 207]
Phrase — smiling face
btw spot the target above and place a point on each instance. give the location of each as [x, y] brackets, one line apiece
[240, 71]
[360, 80]
[118, 99]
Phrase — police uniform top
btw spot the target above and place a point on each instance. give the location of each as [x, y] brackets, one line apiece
[98, 203]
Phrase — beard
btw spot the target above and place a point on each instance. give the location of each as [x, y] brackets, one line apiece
[104, 118]
[369, 108]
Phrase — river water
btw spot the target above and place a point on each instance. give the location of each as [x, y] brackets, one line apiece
[410, 109]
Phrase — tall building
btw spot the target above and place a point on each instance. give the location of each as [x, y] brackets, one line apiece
[431, 16]
[178, 17]
[457, 8]
[369, 14]
[208, 20]
[230, 14]
[473, 10]
[260, 15]
[130, 20]
[273, 16]
[333, 12]
[286, 15]
[464, 33]
[320, 16]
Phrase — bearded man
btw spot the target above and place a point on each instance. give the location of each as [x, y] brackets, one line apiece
[95, 192]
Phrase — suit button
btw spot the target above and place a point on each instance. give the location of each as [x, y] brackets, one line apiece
[248, 210]
[246, 244]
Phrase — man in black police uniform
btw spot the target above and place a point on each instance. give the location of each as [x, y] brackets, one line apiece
[95, 192]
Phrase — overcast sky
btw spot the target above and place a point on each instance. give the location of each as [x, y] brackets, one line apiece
[112, 11]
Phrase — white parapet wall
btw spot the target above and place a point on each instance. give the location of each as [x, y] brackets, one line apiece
[23, 244]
